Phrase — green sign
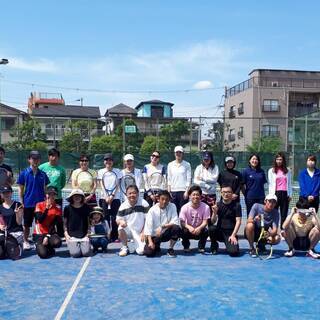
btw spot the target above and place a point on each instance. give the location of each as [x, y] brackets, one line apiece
[130, 129]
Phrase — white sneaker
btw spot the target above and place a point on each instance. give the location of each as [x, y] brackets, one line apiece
[290, 253]
[123, 251]
[313, 254]
[26, 245]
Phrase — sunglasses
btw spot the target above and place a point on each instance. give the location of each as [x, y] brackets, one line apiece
[155, 156]
[84, 160]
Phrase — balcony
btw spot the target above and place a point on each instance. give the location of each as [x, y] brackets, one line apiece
[232, 137]
[232, 114]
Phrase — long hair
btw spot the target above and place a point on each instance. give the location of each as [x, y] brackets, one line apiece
[284, 163]
[259, 161]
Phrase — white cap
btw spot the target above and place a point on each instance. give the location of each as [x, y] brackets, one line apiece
[178, 148]
[74, 192]
[271, 197]
[128, 156]
[229, 158]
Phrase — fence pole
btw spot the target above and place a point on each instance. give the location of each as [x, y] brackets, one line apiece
[190, 142]
[123, 136]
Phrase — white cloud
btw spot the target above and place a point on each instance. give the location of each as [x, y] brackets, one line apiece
[42, 65]
[204, 84]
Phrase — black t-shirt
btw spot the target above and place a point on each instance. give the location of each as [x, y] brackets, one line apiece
[232, 178]
[9, 217]
[227, 214]
[77, 220]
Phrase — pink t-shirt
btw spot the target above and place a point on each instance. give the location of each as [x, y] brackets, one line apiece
[194, 217]
[281, 181]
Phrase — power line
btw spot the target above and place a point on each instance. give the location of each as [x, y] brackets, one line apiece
[110, 90]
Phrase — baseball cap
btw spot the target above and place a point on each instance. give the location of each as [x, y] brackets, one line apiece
[108, 156]
[34, 154]
[178, 149]
[4, 189]
[51, 189]
[229, 158]
[128, 157]
[271, 197]
[206, 155]
[74, 192]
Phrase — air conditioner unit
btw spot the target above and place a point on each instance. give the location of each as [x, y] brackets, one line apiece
[274, 84]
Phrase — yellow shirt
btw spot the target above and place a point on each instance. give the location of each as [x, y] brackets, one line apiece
[302, 229]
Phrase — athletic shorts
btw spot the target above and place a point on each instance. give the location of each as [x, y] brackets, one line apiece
[28, 216]
[301, 243]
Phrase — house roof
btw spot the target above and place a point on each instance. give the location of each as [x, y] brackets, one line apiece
[283, 70]
[11, 110]
[67, 111]
[120, 109]
[153, 102]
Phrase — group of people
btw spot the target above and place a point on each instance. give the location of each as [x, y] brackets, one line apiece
[155, 205]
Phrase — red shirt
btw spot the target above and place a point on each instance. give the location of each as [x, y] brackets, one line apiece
[53, 213]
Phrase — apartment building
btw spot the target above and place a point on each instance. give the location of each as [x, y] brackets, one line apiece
[267, 104]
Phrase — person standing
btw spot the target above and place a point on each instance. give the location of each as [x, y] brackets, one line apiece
[206, 176]
[254, 179]
[231, 177]
[279, 177]
[32, 184]
[57, 177]
[9, 180]
[179, 178]
[309, 183]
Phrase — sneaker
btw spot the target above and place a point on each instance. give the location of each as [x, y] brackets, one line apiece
[290, 253]
[26, 245]
[312, 254]
[123, 251]
[171, 253]
[187, 250]
[253, 253]
[201, 250]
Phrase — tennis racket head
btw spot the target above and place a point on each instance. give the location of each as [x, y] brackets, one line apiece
[4, 178]
[126, 181]
[109, 182]
[155, 181]
[85, 181]
[264, 247]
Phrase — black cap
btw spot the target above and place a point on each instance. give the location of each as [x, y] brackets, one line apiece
[207, 155]
[4, 189]
[108, 156]
[34, 154]
[51, 189]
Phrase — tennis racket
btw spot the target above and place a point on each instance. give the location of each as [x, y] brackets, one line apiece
[110, 184]
[126, 181]
[85, 181]
[4, 178]
[155, 181]
[264, 246]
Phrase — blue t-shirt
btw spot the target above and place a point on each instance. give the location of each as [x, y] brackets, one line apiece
[254, 181]
[271, 218]
[34, 186]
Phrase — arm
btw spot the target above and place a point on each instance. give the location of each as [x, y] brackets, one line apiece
[272, 186]
[63, 178]
[302, 184]
[287, 222]
[214, 176]
[21, 192]
[233, 238]
[289, 183]
[315, 219]
[169, 175]
[19, 213]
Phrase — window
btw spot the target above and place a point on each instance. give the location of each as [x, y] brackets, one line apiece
[271, 105]
[49, 129]
[270, 131]
[232, 135]
[241, 108]
[156, 111]
[240, 132]
[7, 123]
[232, 112]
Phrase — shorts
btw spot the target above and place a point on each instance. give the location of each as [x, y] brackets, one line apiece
[301, 243]
[28, 216]
[135, 236]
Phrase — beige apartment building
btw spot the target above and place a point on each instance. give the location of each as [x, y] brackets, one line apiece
[267, 104]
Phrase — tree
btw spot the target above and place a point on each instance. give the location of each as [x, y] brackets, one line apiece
[28, 136]
[152, 143]
[106, 143]
[76, 138]
[216, 134]
[173, 132]
[132, 140]
[265, 144]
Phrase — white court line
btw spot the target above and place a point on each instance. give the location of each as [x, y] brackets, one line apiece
[72, 290]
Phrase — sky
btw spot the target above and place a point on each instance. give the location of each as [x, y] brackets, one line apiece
[185, 52]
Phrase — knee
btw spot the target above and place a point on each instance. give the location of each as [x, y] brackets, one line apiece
[55, 242]
[42, 251]
[249, 227]
[233, 251]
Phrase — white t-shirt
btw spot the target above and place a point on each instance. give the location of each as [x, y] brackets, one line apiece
[109, 184]
[179, 176]
[135, 215]
[157, 217]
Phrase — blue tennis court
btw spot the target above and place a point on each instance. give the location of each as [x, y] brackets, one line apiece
[187, 287]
